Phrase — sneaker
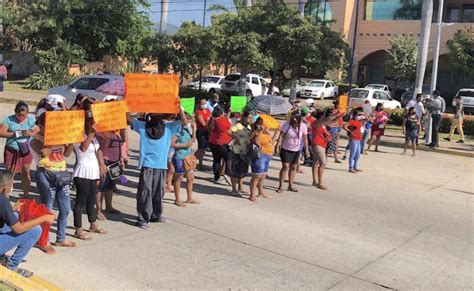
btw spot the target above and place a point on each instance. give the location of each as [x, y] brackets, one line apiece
[460, 141]
[447, 139]
[25, 273]
[143, 225]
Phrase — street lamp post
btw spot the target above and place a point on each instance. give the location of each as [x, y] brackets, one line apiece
[434, 72]
[204, 27]
[354, 42]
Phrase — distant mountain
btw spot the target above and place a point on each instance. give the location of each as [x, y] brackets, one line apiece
[170, 28]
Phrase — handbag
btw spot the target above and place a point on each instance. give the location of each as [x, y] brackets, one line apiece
[253, 151]
[23, 148]
[115, 170]
[58, 179]
[190, 162]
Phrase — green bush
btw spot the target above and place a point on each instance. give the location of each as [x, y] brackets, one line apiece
[43, 80]
[344, 88]
[395, 117]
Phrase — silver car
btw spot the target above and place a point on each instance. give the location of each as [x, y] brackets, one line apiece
[86, 85]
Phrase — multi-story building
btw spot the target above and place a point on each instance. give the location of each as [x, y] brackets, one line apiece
[379, 20]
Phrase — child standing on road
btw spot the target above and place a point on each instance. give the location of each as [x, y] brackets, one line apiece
[355, 130]
[411, 127]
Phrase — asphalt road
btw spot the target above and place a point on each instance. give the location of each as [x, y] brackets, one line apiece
[404, 223]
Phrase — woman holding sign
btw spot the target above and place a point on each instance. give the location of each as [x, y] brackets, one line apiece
[18, 129]
[221, 136]
[203, 114]
[378, 126]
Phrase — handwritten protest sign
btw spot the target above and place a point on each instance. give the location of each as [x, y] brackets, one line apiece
[269, 122]
[188, 105]
[343, 102]
[238, 103]
[64, 127]
[154, 93]
[109, 116]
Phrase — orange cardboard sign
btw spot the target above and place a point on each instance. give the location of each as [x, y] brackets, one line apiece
[109, 116]
[343, 102]
[152, 93]
[64, 127]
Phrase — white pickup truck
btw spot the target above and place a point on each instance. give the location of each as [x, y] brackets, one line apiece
[255, 85]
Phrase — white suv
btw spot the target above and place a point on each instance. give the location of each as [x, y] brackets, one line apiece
[467, 97]
[255, 85]
[319, 89]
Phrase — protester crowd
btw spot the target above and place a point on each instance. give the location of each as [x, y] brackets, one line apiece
[242, 145]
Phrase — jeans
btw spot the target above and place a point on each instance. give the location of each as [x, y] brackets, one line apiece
[436, 122]
[365, 138]
[220, 152]
[48, 195]
[86, 191]
[354, 146]
[22, 242]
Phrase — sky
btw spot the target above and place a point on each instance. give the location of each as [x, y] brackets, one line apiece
[182, 10]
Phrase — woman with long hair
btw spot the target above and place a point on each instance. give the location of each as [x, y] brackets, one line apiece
[221, 136]
[380, 119]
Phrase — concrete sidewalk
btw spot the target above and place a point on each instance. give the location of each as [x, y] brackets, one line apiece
[13, 97]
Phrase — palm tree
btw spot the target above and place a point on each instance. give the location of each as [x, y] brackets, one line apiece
[426, 17]
[164, 15]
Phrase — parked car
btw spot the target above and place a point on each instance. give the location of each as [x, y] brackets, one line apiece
[286, 92]
[467, 97]
[211, 84]
[407, 96]
[255, 85]
[359, 97]
[319, 89]
[85, 85]
[383, 87]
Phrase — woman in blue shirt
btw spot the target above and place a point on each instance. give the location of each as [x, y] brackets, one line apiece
[182, 142]
[18, 129]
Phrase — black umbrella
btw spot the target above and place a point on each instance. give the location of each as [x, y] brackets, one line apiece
[270, 104]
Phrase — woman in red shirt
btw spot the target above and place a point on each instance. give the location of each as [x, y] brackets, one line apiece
[378, 127]
[320, 138]
[354, 129]
[221, 136]
[203, 114]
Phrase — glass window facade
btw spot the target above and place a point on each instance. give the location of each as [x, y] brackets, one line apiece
[381, 10]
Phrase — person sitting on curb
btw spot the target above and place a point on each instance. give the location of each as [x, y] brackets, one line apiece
[21, 236]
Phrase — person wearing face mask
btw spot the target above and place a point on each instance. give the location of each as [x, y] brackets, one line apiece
[202, 115]
[155, 142]
[293, 133]
[260, 166]
[18, 129]
[239, 163]
[411, 128]
[213, 102]
[184, 162]
[355, 128]
[380, 119]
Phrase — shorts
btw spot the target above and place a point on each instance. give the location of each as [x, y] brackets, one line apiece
[335, 129]
[106, 183]
[261, 165]
[179, 167]
[202, 139]
[411, 136]
[9, 157]
[238, 165]
[319, 155]
[289, 157]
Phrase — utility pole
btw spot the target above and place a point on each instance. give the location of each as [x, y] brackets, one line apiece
[203, 27]
[164, 15]
[354, 42]
[301, 7]
[434, 72]
[2, 36]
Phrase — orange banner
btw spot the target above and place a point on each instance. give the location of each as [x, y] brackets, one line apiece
[343, 102]
[269, 122]
[64, 127]
[109, 116]
[152, 93]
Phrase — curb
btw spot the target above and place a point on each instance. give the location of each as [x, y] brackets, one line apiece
[21, 283]
[425, 148]
[13, 101]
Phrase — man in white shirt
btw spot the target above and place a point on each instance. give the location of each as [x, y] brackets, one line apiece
[437, 107]
[418, 105]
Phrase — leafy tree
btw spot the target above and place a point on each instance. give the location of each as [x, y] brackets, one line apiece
[402, 58]
[160, 47]
[193, 47]
[461, 52]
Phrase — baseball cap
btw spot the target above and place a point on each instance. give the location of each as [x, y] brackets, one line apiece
[54, 99]
[304, 110]
[309, 101]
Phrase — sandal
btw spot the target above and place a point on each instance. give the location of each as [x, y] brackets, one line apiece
[179, 204]
[98, 230]
[82, 236]
[65, 243]
[322, 187]
[291, 189]
[113, 211]
[101, 216]
[25, 273]
[280, 190]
